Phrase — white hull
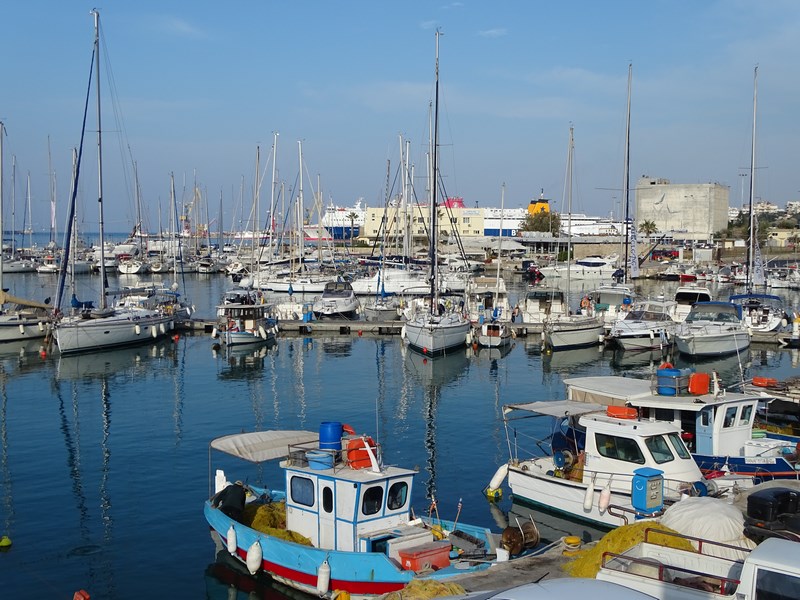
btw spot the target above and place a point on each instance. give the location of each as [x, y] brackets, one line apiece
[336, 307]
[643, 335]
[711, 339]
[493, 335]
[14, 328]
[294, 286]
[122, 328]
[381, 312]
[434, 334]
[574, 331]
[393, 281]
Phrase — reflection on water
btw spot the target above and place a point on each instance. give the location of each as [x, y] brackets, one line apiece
[227, 579]
[551, 526]
[434, 374]
[568, 361]
[244, 363]
[122, 361]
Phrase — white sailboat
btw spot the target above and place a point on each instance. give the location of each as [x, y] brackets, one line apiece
[88, 328]
[566, 330]
[438, 330]
[26, 319]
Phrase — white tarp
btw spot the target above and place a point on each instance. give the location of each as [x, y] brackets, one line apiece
[260, 446]
[557, 408]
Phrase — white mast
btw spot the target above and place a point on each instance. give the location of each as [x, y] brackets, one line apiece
[103, 284]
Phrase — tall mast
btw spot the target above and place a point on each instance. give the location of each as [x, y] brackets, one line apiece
[570, 151]
[752, 241]
[434, 167]
[626, 172]
[103, 281]
[2, 135]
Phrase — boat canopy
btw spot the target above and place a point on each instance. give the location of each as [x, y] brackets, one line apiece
[559, 408]
[260, 446]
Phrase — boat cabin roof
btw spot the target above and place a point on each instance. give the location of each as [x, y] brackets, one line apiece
[261, 446]
[613, 390]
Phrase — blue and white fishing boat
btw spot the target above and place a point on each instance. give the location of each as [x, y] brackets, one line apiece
[343, 522]
[245, 323]
[717, 425]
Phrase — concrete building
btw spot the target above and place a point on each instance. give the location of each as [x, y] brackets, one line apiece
[690, 211]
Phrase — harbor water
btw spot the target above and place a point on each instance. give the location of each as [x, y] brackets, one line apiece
[104, 461]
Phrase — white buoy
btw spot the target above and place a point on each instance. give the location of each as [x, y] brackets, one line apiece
[231, 540]
[215, 333]
[605, 497]
[254, 556]
[137, 329]
[587, 499]
[162, 328]
[498, 477]
[262, 332]
[41, 326]
[22, 328]
[323, 578]
[154, 331]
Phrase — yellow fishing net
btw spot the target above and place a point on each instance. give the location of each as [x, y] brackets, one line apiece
[271, 519]
[422, 589]
[587, 563]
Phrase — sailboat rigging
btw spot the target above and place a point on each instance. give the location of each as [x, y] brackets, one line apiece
[138, 319]
[438, 330]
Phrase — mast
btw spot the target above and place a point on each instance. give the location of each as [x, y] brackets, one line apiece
[2, 135]
[434, 167]
[752, 241]
[570, 151]
[626, 173]
[499, 244]
[103, 276]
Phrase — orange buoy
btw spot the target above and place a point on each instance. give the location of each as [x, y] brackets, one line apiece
[666, 365]
[42, 353]
[81, 595]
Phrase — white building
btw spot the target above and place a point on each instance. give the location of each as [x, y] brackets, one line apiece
[693, 211]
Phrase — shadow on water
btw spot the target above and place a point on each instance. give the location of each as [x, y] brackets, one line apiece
[227, 579]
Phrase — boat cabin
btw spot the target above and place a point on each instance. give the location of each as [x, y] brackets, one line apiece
[712, 424]
[341, 500]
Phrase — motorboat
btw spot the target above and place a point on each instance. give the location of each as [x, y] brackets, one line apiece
[712, 329]
[648, 325]
[248, 323]
[609, 301]
[685, 297]
[343, 521]
[596, 463]
[761, 312]
[338, 300]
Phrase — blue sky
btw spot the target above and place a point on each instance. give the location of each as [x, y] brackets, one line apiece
[200, 85]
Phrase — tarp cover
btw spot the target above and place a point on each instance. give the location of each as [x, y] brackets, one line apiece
[557, 408]
[260, 446]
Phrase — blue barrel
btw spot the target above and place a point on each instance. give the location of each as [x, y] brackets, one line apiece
[330, 435]
[668, 381]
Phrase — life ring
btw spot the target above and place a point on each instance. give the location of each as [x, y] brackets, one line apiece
[348, 429]
[666, 365]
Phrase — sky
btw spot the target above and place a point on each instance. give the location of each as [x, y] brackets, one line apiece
[196, 89]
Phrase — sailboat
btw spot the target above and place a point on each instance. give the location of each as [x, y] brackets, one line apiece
[27, 319]
[87, 327]
[438, 330]
[760, 312]
[564, 331]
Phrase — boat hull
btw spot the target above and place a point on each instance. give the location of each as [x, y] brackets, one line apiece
[14, 328]
[568, 333]
[434, 335]
[709, 341]
[126, 328]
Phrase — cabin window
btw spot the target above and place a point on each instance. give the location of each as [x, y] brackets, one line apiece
[327, 499]
[705, 420]
[398, 493]
[372, 501]
[659, 449]
[619, 448]
[680, 447]
[747, 412]
[771, 585]
[730, 416]
[302, 490]
[665, 414]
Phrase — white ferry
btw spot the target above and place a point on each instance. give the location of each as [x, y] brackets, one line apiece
[344, 222]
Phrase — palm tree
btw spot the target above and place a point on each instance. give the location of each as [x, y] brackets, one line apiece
[352, 216]
[648, 228]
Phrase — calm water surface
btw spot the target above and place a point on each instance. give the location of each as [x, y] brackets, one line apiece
[104, 457]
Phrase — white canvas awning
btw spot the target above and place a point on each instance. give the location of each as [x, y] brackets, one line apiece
[260, 446]
[559, 408]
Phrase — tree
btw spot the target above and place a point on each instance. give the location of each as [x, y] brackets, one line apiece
[542, 221]
[648, 228]
[352, 216]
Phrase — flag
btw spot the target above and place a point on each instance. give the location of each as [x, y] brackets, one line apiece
[633, 256]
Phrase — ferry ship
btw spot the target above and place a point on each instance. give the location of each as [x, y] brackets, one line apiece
[344, 222]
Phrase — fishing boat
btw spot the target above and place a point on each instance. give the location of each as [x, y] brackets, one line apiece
[566, 331]
[596, 463]
[435, 330]
[646, 326]
[245, 323]
[337, 301]
[717, 425]
[611, 302]
[343, 523]
[87, 327]
[712, 329]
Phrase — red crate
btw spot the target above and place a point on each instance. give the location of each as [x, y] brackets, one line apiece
[433, 555]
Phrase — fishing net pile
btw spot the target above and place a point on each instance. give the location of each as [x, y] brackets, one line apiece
[587, 563]
[422, 589]
[271, 519]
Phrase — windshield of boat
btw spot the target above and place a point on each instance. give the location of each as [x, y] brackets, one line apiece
[619, 448]
[659, 449]
[679, 445]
